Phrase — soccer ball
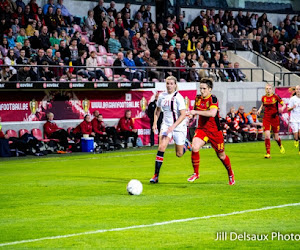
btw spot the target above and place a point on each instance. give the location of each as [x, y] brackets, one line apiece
[134, 187]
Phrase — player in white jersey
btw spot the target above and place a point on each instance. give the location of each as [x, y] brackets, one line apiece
[171, 103]
[294, 107]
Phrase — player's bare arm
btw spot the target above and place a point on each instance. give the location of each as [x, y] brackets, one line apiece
[156, 115]
[208, 113]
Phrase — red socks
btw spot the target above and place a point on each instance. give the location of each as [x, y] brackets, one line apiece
[268, 145]
[227, 165]
[196, 161]
[279, 142]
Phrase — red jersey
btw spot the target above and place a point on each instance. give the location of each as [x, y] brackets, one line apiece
[98, 127]
[84, 128]
[208, 123]
[125, 124]
[271, 105]
[49, 128]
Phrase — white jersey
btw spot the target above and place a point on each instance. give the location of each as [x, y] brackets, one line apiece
[295, 113]
[171, 104]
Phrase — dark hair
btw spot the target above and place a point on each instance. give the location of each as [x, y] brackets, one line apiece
[208, 82]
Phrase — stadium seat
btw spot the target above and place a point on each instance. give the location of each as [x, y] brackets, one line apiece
[109, 61]
[76, 27]
[108, 72]
[102, 50]
[11, 133]
[37, 133]
[92, 48]
[22, 132]
[100, 61]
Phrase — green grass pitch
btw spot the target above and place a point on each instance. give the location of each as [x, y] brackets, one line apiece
[76, 193]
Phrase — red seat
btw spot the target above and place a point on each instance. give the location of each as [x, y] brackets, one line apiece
[22, 132]
[37, 133]
[11, 133]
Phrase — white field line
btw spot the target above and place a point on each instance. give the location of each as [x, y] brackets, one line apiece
[148, 225]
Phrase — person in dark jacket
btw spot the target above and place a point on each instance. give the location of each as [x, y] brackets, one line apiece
[150, 113]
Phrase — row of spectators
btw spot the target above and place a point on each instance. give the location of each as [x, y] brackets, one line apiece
[46, 34]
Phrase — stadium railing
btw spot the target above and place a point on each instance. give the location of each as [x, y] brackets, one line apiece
[131, 69]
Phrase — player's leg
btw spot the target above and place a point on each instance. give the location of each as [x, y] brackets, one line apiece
[196, 145]
[182, 144]
[218, 145]
[227, 164]
[163, 144]
[299, 137]
[267, 129]
[276, 127]
[294, 126]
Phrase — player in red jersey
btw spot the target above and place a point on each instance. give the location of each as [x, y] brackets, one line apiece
[270, 102]
[206, 107]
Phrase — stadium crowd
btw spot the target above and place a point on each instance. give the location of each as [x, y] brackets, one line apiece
[51, 36]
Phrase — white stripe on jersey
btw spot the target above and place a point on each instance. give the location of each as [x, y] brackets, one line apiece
[164, 102]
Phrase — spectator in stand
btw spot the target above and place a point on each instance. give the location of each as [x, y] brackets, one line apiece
[4, 47]
[94, 71]
[136, 41]
[7, 74]
[45, 73]
[10, 38]
[114, 45]
[256, 127]
[10, 60]
[98, 10]
[44, 38]
[126, 42]
[46, 6]
[50, 19]
[182, 63]
[272, 55]
[243, 123]
[33, 6]
[119, 62]
[193, 74]
[144, 42]
[129, 62]
[110, 18]
[24, 73]
[84, 127]
[69, 18]
[60, 21]
[165, 64]
[153, 73]
[52, 131]
[90, 23]
[126, 129]
[81, 62]
[153, 43]
[126, 9]
[127, 22]
[101, 35]
[40, 58]
[73, 50]
[35, 41]
[204, 72]
[119, 28]
[112, 8]
[239, 76]
[22, 58]
[164, 40]
[139, 62]
[64, 51]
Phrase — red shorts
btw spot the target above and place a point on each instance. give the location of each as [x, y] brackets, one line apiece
[215, 138]
[269, 122]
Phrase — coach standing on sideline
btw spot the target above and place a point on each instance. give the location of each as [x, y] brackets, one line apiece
[150, 112]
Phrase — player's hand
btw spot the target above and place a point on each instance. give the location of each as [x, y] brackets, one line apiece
[281, 110]
[258, 112]
[6, 137]
[170, 129]
[104, 133]
[193, 112]
[134, 130]
[154, 128]
[92, 134]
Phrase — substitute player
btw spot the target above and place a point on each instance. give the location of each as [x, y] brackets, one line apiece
[294, 107]
[270, 102]
[173, 124]
[206, 107]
